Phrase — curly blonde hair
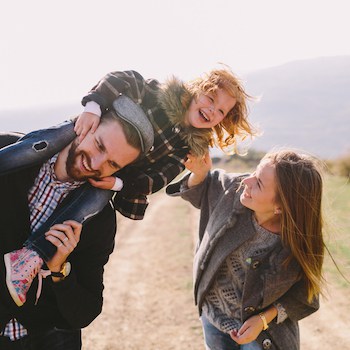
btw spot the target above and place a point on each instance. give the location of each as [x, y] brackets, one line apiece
[235, 127]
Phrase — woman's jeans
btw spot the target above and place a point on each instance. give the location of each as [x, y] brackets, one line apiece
[217, 340]
[80, 205]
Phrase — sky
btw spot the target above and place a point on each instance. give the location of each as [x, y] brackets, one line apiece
[53, 52]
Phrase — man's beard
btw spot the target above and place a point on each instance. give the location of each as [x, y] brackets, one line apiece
[72, 171]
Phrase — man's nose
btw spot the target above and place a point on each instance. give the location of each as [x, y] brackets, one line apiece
[98, 161]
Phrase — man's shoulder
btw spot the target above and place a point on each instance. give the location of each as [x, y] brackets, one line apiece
[7, 138]
[103, 226]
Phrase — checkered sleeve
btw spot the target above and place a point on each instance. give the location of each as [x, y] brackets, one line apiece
[152, 177]
[132, 199]
[132, 208]
[129, 83]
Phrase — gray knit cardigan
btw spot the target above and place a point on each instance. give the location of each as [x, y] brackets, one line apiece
[224, 225]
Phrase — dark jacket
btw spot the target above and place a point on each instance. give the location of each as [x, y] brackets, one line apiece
[224, 225]
[74, 302]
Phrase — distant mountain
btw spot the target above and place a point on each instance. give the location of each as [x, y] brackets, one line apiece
[304, 104]
[36, 118]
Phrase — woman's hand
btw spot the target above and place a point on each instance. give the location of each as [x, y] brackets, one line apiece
[249, 331]
[86, 122]
[65, 237]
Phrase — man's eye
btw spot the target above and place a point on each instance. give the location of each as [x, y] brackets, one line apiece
[113, 165]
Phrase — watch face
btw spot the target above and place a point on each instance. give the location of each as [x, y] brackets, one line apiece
[66, 269]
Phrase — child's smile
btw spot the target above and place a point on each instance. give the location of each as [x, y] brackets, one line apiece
[209, 109]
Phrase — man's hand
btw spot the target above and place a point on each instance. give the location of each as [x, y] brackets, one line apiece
[86, 122]
[65, 237]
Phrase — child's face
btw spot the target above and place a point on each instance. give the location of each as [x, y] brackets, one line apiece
[209, 109]
[260, 190]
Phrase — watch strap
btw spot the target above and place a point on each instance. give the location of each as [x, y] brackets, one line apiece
[64, 272]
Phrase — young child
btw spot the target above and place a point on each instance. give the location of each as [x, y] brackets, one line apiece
[258, 263]
[186, 117]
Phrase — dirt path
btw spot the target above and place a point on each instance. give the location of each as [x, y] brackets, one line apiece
[148, 290]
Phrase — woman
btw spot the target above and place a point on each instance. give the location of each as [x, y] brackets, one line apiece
[258, 264]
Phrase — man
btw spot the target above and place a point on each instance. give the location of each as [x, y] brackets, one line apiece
[70, 299]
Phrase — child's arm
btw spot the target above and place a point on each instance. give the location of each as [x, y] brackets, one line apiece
[105, 92]
[129, 83]
[108, 183]
[147, 177]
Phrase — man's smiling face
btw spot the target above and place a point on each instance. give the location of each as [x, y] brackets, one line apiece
[100, 154]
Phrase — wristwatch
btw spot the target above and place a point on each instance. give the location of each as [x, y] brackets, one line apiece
[64, 272]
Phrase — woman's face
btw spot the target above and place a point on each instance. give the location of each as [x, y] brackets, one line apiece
[260, 190]
[209, 109]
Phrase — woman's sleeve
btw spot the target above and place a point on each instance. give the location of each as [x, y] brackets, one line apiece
[295, 303]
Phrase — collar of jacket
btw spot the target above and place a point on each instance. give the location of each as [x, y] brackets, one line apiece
[175, 99]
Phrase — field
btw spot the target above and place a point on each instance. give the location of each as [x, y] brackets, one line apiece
[148, 282]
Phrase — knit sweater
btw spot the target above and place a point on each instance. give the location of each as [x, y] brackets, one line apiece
[223, 301]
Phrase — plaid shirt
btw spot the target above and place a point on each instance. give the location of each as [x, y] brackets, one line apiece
[46, 193]
[167, 156]
[44, 196]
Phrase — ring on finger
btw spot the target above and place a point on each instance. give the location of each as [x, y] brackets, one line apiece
[60, 245]
[65, 240]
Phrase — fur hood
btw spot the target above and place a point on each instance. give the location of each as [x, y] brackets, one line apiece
[175, 99]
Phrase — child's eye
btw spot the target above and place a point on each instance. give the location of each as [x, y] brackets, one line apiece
[221, 112]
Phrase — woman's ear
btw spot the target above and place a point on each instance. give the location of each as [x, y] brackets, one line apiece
[277, 211]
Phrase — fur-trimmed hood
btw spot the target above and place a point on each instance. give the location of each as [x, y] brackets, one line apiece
[175, 99]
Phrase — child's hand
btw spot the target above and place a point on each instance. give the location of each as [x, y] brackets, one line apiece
[105, 183]
[199, 166]
[86, 122]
